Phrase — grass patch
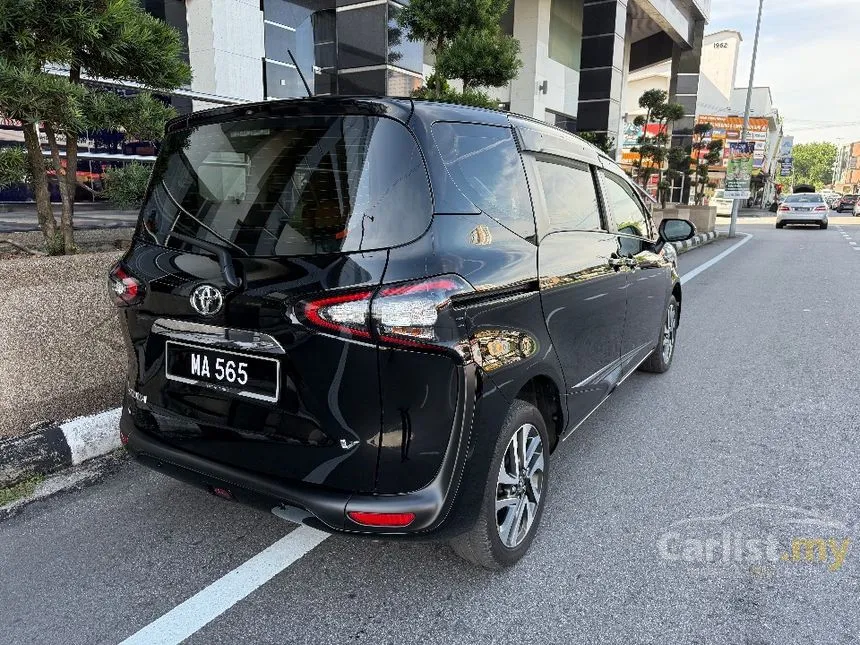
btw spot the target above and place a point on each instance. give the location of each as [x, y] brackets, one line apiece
[19, 490]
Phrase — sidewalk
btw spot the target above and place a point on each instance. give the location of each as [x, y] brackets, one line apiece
[21, 217]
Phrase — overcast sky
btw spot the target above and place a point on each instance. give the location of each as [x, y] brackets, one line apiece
[809, 57]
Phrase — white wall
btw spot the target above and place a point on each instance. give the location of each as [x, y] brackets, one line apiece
[720, 60]
[531, 27]
[226, 48]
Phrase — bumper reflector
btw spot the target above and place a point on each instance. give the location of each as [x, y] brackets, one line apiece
[397, 520]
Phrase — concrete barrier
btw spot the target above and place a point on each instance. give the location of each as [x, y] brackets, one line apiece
[61, 353]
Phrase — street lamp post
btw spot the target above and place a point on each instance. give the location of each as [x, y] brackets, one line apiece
[736, 206]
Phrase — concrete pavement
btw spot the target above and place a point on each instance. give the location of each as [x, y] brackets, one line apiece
[23, 217]
[752, 433]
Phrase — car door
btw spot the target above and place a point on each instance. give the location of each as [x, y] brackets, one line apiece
[649, 279]
[582, 280]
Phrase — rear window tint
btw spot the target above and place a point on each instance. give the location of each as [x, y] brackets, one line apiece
[485, 164]
[804, 198]
[291, 186]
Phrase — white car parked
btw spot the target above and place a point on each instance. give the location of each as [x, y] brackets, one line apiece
[802, 208]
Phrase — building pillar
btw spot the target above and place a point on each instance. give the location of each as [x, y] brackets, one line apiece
[601, 75]
[684, 90]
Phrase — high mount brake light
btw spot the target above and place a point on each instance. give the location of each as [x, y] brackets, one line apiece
[405, 314]
[125, 288]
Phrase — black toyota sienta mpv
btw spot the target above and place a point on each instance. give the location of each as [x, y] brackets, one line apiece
[388, 314]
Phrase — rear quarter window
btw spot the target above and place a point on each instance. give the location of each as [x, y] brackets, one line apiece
[485, 164]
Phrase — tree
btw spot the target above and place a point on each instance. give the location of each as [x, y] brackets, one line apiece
[813, 164]
[100, 38]
[466, 39]
[706, 154]
[652, 149]
[602, 140]
[125, 187]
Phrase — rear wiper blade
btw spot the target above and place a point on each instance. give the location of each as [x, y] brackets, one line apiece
[225, 260]
[184, 211]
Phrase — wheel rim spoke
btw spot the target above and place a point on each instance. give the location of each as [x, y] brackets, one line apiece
[519, 485]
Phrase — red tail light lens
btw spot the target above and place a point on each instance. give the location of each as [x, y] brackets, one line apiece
[412, 314]
[125, 288]
[382, 520]
[821, 208]
[784, 209]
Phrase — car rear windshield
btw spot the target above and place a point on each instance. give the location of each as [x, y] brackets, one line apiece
[290, 186]
[804, 198]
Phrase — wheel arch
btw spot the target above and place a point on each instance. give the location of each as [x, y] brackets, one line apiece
[543, 392]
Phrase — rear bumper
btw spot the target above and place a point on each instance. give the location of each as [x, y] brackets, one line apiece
[431, 505]
[801, 218]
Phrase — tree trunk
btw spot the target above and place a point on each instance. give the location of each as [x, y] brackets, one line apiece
[66, 198]
[38, 170]
[437, 93]
[68, 218]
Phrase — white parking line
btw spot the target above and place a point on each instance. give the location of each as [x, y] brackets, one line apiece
[205, 606]
[707, 265]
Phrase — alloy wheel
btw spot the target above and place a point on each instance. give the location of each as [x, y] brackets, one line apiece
[520, 485]
[669, 330]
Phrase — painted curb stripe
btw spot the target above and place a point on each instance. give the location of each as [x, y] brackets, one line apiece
[92, 436]
[205, 606]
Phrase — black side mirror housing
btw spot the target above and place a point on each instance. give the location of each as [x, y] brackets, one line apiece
[676, 230]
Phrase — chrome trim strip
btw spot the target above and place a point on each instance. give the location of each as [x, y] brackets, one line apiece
[234, 339]
[226, 388]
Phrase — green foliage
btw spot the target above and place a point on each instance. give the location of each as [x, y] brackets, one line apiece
[653, 149]
[473, 97]
[438, 21]
[480, 57]
[707, 153]
[466, 38]
[126, 187]
[20, 490]
[14, 166]
[813, 164]
[602, 140]
[102, 38]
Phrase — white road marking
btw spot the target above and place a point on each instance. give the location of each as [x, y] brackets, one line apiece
[205, 606]
[707, 265]
[853, 243]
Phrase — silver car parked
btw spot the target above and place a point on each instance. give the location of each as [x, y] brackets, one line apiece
[802, 208]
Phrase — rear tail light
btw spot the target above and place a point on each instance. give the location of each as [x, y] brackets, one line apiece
[412, 314]
[821, 208]
[125, 288]
[784, 209]
[382, 520]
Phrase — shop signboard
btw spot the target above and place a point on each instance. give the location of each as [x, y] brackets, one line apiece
[739, 169]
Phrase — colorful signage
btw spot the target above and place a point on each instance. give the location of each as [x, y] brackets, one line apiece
[739, 168]
[729, 129]
[786, 147]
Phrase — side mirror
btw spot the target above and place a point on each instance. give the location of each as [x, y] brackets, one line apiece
[676, 230]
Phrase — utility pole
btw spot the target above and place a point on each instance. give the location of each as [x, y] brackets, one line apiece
[736, 206]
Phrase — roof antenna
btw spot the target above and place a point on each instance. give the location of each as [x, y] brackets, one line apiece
[299, 70]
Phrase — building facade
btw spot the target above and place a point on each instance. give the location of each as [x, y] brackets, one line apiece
[576, 53]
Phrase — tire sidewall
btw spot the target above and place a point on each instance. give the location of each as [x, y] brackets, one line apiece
[665, 365]
[521, 412]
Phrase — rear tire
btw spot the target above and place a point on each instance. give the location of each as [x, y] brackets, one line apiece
[823, 226]
[780, 225]
[661, 359]
[514, 493]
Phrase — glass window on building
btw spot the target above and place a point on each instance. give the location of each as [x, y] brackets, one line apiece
[402, 52]
[306, 30]
[565, 32]
[362, 36]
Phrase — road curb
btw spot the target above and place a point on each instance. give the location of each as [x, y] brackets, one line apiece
[699, 240]
[55, 447]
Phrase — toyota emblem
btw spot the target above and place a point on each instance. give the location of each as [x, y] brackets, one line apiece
[207, 300]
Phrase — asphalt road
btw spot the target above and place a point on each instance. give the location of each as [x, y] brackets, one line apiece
[753, 435]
